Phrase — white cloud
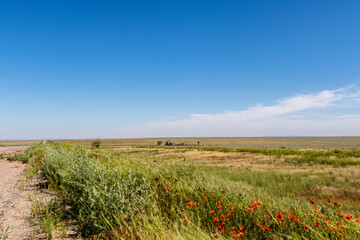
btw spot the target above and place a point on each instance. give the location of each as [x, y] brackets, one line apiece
[285, 117]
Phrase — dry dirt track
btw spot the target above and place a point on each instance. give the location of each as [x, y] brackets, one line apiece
[14, 200]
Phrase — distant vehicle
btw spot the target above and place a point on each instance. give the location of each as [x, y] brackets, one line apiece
[171, 143]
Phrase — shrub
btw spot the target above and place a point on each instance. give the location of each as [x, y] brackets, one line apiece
[96, 143]
[159, 143]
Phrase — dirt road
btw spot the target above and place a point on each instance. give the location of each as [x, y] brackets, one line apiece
[14, 200]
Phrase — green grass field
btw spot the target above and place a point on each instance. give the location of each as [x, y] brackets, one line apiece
[217, 191]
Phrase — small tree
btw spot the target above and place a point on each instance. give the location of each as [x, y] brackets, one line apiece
[96, 143]
[159, 143]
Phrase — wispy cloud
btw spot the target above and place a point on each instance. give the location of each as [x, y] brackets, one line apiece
[285, 117]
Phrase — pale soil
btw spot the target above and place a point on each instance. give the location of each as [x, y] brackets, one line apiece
[14, 200]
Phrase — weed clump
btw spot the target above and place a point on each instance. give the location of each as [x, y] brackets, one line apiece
[18, 157]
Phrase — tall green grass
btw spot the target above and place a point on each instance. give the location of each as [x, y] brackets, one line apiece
[112, 196]
[307, 184]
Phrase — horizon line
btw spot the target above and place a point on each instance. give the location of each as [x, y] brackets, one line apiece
[60, 139]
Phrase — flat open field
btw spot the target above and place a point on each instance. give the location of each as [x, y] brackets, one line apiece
[4, 143]
[264, 188]
[238, 142]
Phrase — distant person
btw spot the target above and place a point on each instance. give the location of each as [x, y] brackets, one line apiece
[198, 143]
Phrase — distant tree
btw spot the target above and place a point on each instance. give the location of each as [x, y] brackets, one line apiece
[96, 143]
[159, 142]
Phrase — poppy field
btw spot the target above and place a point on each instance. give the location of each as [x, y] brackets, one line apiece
[132, 192]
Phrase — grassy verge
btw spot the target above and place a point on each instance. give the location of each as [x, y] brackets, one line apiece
[3, 232]
[117, 197]
[48, 216]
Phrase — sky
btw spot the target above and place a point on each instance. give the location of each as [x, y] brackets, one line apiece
[189, 68]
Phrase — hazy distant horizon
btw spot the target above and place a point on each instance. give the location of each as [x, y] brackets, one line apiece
[44, 139]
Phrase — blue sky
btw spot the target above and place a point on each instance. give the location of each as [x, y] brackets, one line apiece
[86, 69]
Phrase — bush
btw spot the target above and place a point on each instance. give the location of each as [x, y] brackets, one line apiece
[96, 143]
[159, 143]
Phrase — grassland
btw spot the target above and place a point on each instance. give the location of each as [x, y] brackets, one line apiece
[141, 191]
[4, 143]
[237, 142]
